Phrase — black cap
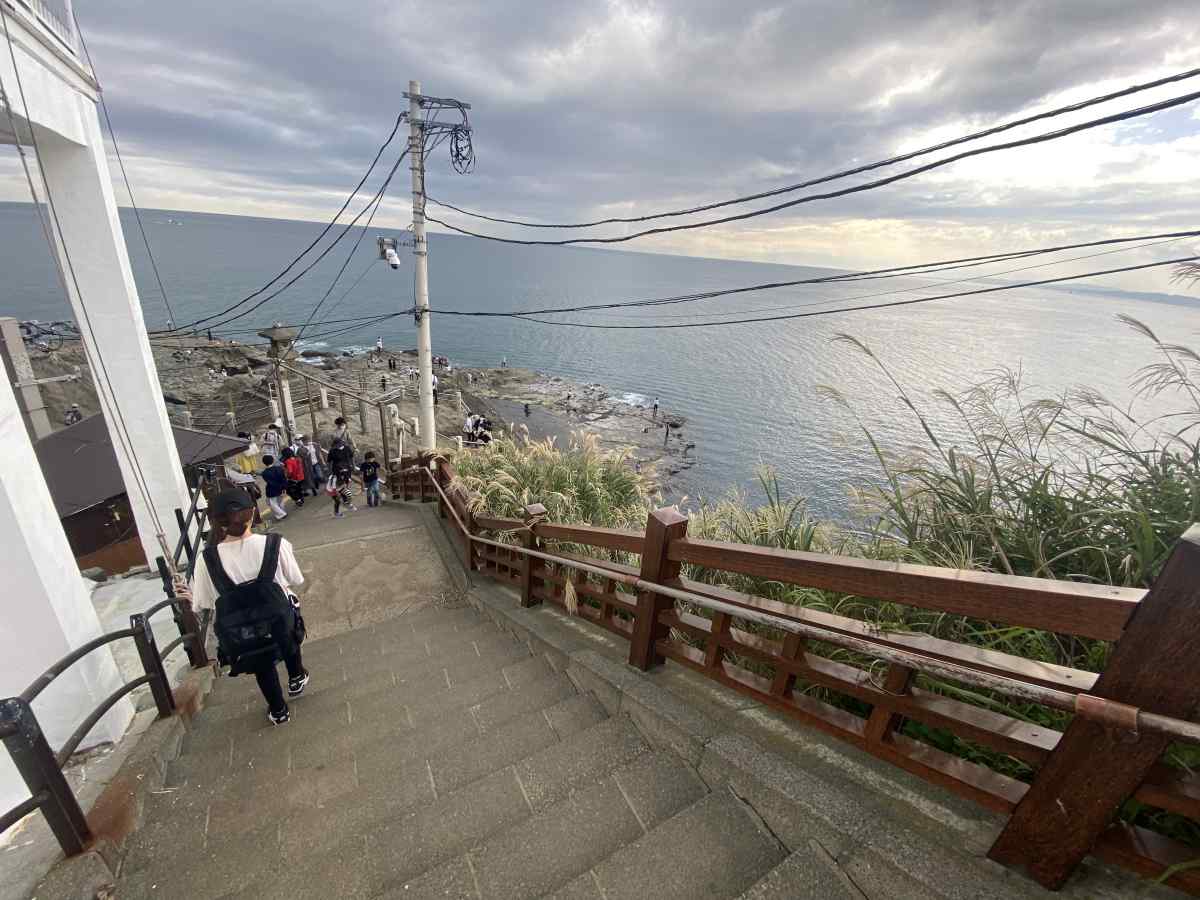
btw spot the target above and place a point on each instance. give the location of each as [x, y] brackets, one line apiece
[230, 500]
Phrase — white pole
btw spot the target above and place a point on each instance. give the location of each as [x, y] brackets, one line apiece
[427, 436]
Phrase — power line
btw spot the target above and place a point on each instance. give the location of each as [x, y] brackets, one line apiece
[937, 284]
[867, 186]
[869, 306]
[324, 231]
[137, 213]
[345, 263]
[338, 302]
[904, 157]
[870, 274]
[253, 330]
[374, 200]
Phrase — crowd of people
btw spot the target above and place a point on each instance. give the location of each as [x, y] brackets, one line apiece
[301, 468]
[477, 429]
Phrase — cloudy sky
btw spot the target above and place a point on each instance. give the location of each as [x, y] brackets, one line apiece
[590, 108]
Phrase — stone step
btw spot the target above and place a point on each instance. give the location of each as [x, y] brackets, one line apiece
[360, 674]
[332, 735]
[404, 845]
[296, 819]
[426, 683]
[387, 788]
[585, 828]
[716, 848]
[411, 703]
[408, 847]
[809, 873]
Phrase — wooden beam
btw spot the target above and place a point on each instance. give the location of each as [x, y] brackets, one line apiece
[662, 527]
[1087, 610]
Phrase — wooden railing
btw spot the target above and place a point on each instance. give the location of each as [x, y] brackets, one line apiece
[1111, 751]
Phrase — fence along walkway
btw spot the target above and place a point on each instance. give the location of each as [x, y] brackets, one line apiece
[1111, 751]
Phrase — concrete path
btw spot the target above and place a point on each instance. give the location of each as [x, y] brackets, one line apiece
[363, 568]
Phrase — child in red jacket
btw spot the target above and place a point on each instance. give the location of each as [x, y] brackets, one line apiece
[294, 469]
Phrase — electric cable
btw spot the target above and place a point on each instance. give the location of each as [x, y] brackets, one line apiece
[869, 306]
[855, 189]
[345, 263]
[324, 231]
[892, 272]
[357, 281]
[383, 188]
[939, 284]
[904, 157]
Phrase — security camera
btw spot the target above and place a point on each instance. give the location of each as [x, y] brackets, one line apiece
[392, 258]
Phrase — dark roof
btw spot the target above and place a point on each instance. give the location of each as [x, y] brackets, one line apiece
[81, 468]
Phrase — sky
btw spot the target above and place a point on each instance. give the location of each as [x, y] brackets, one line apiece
[595, 108]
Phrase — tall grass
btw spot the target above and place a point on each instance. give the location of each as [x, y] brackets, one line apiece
[581, 483]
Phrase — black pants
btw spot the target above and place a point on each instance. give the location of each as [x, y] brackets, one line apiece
[268, 681]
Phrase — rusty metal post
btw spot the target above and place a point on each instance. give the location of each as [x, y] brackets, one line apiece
[662, 527]
[37, 766]
[160, 688]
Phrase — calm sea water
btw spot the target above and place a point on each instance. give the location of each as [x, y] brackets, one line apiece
[751, 393]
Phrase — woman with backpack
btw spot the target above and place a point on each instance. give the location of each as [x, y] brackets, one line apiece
[249, 580]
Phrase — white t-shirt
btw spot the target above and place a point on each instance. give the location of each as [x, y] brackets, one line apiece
[242, 559]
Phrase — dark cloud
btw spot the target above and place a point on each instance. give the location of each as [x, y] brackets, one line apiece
[589, 107]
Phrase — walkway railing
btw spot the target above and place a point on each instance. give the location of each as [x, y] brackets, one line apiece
[1121, 722]
[38, 764]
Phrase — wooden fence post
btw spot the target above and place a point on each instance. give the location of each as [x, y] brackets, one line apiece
[1096, 766]
[662, 527]
[882, 721]
[530, 542]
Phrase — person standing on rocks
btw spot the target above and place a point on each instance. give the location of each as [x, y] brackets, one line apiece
[250, 577]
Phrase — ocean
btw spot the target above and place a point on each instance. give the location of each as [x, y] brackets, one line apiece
[752, 394]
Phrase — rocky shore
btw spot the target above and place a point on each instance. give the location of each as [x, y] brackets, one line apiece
[204, 380]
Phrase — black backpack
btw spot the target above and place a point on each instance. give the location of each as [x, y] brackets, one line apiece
[255, 620]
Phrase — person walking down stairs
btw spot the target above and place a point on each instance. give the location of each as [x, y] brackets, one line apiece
[249, 579]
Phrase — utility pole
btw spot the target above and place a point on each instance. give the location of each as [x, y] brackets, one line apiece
[416, 156]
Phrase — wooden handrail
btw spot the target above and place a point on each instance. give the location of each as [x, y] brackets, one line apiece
[1066, 607]
[592, 536]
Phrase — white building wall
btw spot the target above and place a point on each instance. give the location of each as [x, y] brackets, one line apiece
[45, 609]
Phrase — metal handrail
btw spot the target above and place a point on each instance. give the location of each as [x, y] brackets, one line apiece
[44, 680]
[39, 765]
[1082, 704]
[21, 810]
[64, 752]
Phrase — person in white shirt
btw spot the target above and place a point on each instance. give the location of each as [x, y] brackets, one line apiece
[435, 383]
[241, 553]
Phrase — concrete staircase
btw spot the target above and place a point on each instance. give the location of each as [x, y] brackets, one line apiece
[433, 756]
